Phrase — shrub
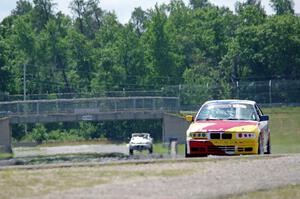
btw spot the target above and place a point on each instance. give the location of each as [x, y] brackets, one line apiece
[38, 134]
[71, 135]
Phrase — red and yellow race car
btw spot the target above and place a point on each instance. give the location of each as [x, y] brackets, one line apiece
[228, 127]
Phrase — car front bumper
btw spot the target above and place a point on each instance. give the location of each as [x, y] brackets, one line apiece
[221, 147]
[140, 147]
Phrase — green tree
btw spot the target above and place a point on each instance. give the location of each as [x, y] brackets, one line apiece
[179, 33]
[138, 20]
[281, 46]
[88, 16]
[132, 57]
[283, 6]
[53, 55]
[24, 41]
[110, 69]
[81, 61]
[77, 7]
[199, 3]
[250, 12]
[88, 130]
[23, 7]
[42, 13]
[38, 134]
[266, 51]
[93, 16]
[5, 72]
[156, 42]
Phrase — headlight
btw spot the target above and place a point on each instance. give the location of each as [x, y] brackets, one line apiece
[197, 135]
[245, 135]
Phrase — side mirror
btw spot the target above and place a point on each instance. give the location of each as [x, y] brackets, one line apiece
[189, 118]
[264, 118]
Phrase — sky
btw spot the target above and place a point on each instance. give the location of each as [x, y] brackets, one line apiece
[124, 8]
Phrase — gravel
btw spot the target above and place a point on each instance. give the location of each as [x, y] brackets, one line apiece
[205, 178]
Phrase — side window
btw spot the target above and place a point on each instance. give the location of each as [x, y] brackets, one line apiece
[258, 110]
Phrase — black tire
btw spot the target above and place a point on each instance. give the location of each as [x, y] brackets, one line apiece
[268, 146]
[151, 150]
[187, 155]
[130, 151]
[260, 150]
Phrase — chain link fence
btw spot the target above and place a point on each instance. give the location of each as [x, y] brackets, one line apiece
[49, 96]
[269, 92]
[266, 93]
[89, 105]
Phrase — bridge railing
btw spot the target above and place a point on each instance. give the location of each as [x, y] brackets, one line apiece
[89, 105]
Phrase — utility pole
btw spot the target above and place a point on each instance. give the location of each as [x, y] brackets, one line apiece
[24, 82]
[270, 91]
[24, 94]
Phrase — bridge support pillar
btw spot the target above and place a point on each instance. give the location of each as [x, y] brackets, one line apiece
[5, 136]
[174, 127]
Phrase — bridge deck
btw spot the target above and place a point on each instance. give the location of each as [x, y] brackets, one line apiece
[91, 109]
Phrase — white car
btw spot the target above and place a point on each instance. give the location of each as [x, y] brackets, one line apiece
[140, 142]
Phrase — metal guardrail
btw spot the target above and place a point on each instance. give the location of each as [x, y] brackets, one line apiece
[89, 105]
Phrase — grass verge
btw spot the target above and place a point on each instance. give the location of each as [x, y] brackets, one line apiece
[285, 129]
[292, 191]
[38, 182]
[5, 156]
[164, 149]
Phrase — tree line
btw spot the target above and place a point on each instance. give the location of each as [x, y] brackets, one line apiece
[170, 44]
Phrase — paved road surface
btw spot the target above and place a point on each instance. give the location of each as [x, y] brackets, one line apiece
[40, 151]
[210, 178]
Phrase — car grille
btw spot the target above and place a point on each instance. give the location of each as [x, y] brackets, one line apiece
[246, 149]
[226, 136]
[218, 136]
[221, 148]
[198, 149]
[215, 136]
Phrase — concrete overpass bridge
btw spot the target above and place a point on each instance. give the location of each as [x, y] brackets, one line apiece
[88, 109]
[93, 109]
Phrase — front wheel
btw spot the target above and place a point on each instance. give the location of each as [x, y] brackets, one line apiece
[186, 154]
[268, 146]
[130, 151]
[260, 145]
[151, 150]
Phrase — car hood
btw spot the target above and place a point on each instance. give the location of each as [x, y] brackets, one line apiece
[223, 125]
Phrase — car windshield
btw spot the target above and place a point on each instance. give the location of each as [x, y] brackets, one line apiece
[140, 135]
[227, 111]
